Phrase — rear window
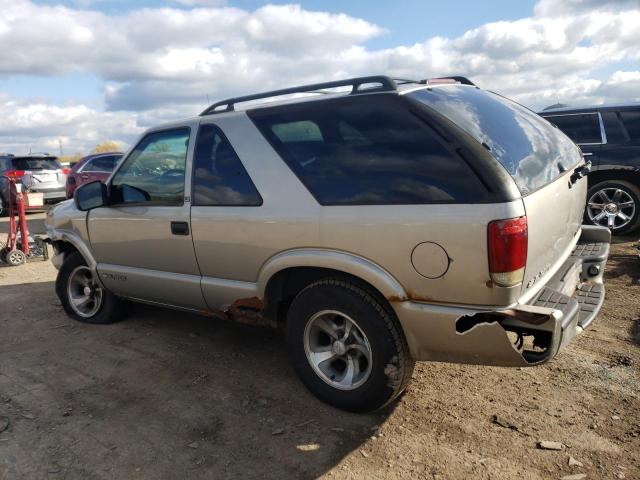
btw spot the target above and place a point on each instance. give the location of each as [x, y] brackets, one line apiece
[582, 128]
[368, 150]
[36, 163]
[528, 147]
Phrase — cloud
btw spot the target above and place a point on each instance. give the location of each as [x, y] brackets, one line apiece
[162, 63]
[554, 8]
[40, 126]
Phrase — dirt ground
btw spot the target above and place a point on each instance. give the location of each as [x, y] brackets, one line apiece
[166, 395]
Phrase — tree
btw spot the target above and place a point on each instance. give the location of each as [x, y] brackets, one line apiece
[106, 146]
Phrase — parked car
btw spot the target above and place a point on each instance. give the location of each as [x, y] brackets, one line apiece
[392, 222]
[609, 136]
[97, 166]
[47, 176]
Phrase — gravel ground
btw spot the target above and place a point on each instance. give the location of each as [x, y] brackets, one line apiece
[167, 395]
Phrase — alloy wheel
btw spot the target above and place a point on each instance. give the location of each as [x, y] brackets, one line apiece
[337, 349]
[85, 296]
[611, 207]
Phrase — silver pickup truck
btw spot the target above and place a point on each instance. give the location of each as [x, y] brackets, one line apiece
[378, 221]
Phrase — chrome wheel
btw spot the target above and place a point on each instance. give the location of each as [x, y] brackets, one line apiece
[611, 207]
[85, 296]
[337, 350]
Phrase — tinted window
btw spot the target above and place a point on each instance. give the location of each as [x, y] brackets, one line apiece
[36, 163]
[527, 146]
[297, 131]
[631, 120]
[154, 170]
[101, 164]
[219, 177]
[614, 128]
[581, 128]
[367, 150]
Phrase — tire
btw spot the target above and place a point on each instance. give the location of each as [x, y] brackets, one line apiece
[604, 209]
[335, 302]
[4, 207]
[104, 309]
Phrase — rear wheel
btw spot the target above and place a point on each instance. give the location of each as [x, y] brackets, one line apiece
[82, 297]
[346, 346]
[614, 204]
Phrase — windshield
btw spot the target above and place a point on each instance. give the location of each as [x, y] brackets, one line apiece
[533, 151]
[36, 164]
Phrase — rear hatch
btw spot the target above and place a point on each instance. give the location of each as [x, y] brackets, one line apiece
[46, 171]
[539, 158]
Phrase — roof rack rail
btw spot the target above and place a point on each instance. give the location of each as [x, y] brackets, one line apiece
[455, 78]
[386, 85]
[427, 81]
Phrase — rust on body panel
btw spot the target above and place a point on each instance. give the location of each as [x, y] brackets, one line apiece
[249, 311]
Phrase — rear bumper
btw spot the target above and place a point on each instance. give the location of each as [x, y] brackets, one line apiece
[526, 334]
[53, 192]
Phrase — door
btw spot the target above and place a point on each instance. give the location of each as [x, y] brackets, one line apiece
[142, 240]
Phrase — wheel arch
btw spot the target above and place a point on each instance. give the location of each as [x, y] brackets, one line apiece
[67, 242]
[631, 175]
[286, 274]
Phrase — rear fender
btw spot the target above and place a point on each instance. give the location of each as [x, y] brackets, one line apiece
[346, 262]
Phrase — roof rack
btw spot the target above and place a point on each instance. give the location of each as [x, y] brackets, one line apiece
[356, 84]
[436, 80]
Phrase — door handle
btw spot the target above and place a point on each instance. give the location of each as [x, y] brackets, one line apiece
[180, 228]
[586, 154]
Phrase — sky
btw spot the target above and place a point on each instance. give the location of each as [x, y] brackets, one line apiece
[74, 73]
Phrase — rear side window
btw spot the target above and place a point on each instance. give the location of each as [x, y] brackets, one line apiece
[219, 178]
[582, 128]
[631, 121]
[368, 150]
[528, 147]
[101, 164]
[35, 163]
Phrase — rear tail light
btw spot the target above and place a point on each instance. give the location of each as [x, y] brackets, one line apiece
[16, 173]
[66, 170]
[507, 241]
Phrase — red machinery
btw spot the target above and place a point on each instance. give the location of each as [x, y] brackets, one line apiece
[19, 247]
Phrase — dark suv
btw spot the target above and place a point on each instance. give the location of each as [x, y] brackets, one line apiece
[609, 136]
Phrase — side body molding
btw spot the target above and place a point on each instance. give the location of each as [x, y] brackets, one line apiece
[346, 262]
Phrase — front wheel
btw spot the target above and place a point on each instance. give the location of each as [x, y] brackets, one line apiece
[82, 297]
[614, 204]
[347, 346]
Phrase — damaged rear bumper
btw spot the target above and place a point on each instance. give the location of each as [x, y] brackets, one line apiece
[522, 335]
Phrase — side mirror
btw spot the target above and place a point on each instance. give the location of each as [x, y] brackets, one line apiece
[91, 195]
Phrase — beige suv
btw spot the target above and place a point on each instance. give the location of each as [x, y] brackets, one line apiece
[378, 221]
